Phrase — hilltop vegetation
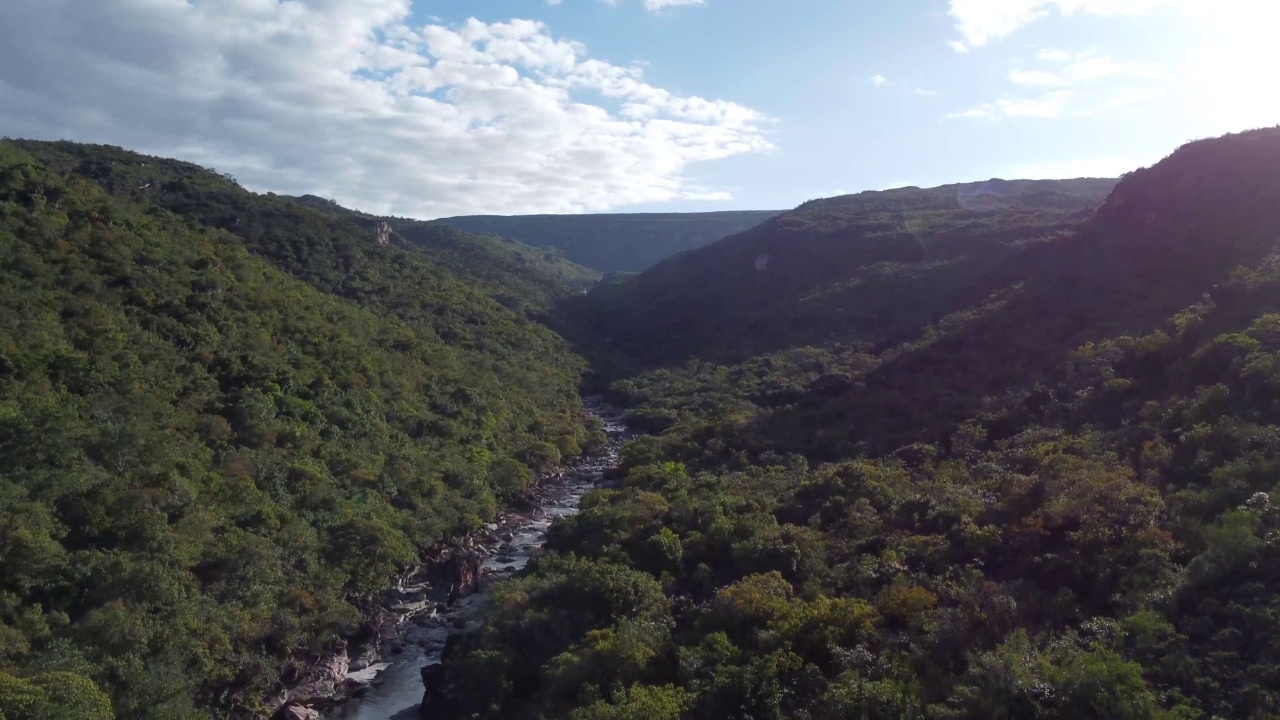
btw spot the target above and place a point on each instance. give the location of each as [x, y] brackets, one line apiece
[224, 418]
[873, 266]
[1054, 501]
[614, 243]
[508, 267]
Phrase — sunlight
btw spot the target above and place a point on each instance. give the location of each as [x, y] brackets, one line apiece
[1230, 75]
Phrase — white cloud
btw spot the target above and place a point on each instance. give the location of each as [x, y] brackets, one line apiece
[1034, 77]
[925, 92]
[655, 5]
[1048, 105]
[1092, 66]
[981, 21]
[346, 100]
[1081, 76]
[1083, 67]
[1103, 166]
[879, 80]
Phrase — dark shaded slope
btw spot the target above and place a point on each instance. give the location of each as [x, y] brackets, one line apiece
[1167, 238]
[873, 266]
[615, 243]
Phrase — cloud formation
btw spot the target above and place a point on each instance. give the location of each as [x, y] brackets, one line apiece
[1079, 68]
[655, 5]
[345, 99]
[1072, 74]
[1047, 105]
[981, 21]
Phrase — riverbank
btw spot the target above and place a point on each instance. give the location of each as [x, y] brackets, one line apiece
[378, 675]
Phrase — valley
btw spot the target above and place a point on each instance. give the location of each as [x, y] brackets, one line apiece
[1003, 449]
[614, 243]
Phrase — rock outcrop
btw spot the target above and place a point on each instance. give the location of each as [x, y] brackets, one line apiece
[457, 569]
[325, 677]
[293, 711]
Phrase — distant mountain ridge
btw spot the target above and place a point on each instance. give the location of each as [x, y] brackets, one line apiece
[617, 242]
[854, 267]
[509, 267]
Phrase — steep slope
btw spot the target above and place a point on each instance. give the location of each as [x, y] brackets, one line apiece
[224, 419]
[1059, 504]
[615, 243]
[1166, 237]
[507, 267]
[860, 267]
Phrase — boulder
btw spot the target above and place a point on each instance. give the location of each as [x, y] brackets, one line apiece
[323, 679]
[294, 711]
[457, 568]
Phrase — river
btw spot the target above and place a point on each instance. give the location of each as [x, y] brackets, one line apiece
[396, 690]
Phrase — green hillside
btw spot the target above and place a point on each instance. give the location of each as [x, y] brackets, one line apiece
[614, 243]
[992, 450]
[506, 267]
[1056, 501]
[224, 419]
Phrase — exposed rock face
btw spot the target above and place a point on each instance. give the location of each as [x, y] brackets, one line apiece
[325, 677]
[293, 711]
[383, 233]
[430, 607]
[458, 569]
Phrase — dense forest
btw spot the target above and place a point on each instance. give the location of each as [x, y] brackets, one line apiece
[500, 263]
[993, 450]
[225, 418]
[623, 243]
[877, 265]
[1046, 498]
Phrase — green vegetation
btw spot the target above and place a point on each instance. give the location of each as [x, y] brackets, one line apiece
[1054, 498]
[875, 266]
[1000, 450]
[614, 243]
[514, 272]
[223, 418]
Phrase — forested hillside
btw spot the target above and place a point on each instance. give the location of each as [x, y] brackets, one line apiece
[1050, 500]
[995, 450]
[503, 265]
[615, 243]
[869, 266]
[227, 417]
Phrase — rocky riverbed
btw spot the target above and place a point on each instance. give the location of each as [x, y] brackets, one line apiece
[380, 673]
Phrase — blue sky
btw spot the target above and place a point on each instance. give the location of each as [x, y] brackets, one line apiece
[809, 64]
[432, 108]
